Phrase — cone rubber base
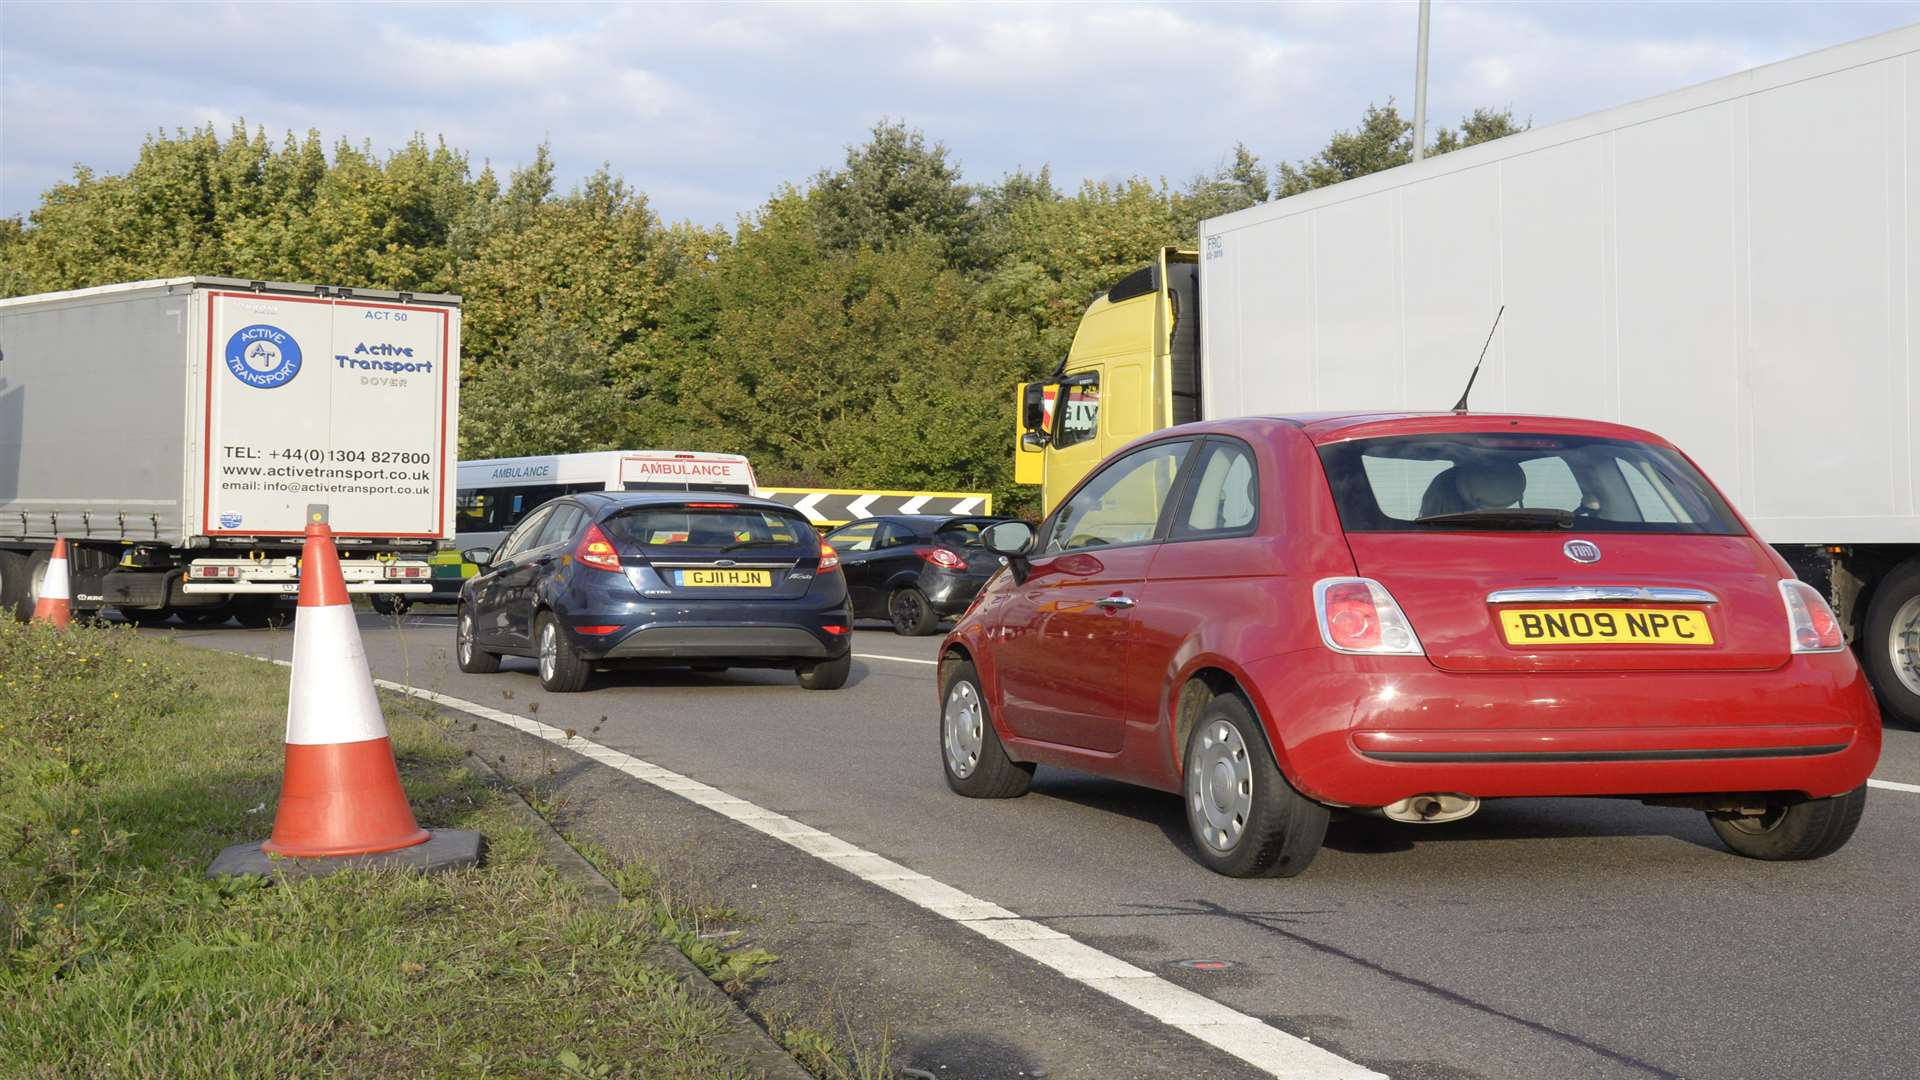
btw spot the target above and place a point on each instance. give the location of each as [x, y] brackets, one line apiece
[445, 849]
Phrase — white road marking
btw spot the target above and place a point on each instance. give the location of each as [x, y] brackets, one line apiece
[1245, 1037]
[1894, 785]
[901, 659]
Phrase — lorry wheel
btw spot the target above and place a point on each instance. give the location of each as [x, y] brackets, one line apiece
[1890, 643]
[144, 616]
[37, 564]
[387, 604]
[1791, 831]
[258, 613]
[13, 586]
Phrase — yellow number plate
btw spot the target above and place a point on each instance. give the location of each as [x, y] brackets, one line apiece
[727, 579]
[1606, 626]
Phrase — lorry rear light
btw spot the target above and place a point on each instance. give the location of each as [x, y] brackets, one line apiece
[408, 570]
[216, 571]
[1358, 615]
[1814, 627]
[597, 551]
[829, 558]
[941, 557]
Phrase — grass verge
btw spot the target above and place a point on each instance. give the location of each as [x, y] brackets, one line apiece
[126, 763]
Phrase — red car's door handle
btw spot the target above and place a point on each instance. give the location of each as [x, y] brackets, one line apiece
[1118, 603]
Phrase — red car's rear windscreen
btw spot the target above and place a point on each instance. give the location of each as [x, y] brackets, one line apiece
[1495, 482]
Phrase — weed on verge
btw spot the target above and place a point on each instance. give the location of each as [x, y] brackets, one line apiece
[126, 763]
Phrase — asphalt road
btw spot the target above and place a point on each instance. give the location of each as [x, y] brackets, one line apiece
[1540, 939]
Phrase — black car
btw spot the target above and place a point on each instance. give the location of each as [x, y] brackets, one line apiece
[657, 578]
[914, 569]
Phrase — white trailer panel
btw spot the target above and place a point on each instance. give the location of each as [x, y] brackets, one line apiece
[188, 411]
[1732, 265]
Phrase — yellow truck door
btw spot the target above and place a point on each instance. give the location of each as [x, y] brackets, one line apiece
[1131, 370]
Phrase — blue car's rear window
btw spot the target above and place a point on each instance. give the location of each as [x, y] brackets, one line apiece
[689, 528]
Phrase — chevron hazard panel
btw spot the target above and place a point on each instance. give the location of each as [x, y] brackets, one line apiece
[832, 506]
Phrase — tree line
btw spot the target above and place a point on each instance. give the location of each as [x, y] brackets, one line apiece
[863, 328]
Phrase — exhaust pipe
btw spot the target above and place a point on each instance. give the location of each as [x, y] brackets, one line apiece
[1432, 809]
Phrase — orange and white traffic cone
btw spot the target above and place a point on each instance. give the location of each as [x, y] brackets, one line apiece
[55, 606]
[341, 794]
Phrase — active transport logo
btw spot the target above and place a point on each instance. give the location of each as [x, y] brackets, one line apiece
[263, 356]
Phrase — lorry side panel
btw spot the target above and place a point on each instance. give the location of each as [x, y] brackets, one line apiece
[1734, 265]
[94, 417]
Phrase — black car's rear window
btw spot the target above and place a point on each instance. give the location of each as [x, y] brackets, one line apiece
[676, 528]
[1496, 482]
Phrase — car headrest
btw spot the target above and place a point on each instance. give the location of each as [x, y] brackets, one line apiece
[1490, 485]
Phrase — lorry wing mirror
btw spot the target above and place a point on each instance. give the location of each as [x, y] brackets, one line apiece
[1033, 412]
[478, 556]
[1035, 440]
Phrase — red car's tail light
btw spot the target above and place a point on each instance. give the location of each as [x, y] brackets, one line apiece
[941, 557]
[1815, 629]
[597, 551]
[1358, 615]
[829, 558]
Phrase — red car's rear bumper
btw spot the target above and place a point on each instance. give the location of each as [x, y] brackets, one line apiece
[1361, 731]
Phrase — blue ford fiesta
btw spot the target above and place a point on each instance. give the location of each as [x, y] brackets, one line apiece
[657, 578]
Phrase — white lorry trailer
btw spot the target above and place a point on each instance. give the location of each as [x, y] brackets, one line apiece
[179, 435]
[1735, 266]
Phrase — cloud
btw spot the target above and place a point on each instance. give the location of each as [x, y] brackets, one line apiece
[708, 108]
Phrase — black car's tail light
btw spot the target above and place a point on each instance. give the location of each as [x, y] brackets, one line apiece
[597, 551]
[942, 558]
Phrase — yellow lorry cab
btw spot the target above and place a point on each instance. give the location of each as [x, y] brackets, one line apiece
[1133, 368]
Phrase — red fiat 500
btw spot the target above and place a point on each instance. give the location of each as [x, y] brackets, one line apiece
[1406, 615]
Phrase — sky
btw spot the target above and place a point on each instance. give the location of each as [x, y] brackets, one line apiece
[708, 108]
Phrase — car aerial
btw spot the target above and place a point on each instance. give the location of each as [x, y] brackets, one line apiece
[651, 579]
[1403, 616]
[914, 569]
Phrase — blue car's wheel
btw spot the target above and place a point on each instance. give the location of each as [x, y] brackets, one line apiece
[467, 652]
[561, 669]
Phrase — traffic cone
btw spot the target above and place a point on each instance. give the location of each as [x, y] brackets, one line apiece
[341, 794]
[55, 606]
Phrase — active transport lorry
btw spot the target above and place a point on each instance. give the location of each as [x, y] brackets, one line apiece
[1734, 266]
[179, 434]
